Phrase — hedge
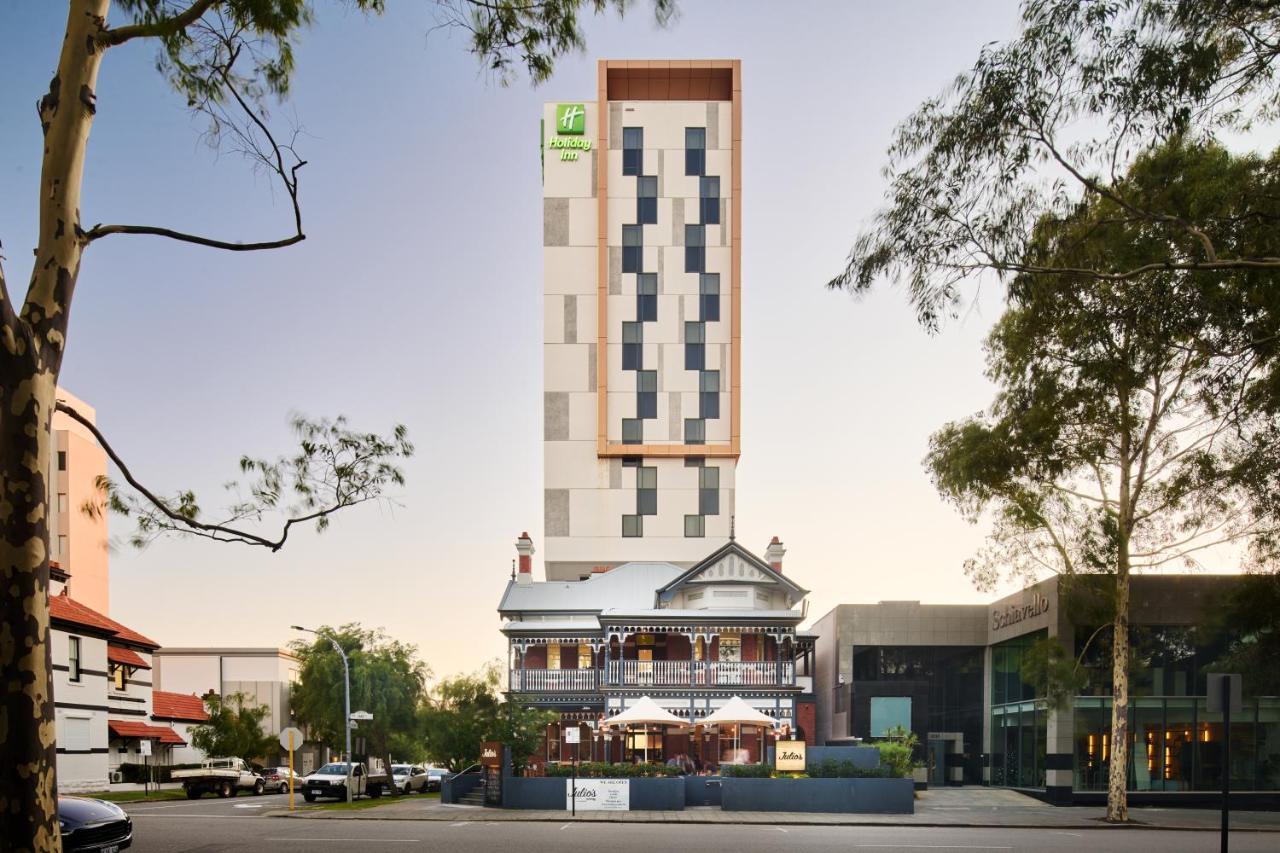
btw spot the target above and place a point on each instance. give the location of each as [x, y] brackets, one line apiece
[139, 773]
[829, 769]
[605, 770]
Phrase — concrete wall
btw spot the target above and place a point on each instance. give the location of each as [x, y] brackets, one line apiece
[263, 674]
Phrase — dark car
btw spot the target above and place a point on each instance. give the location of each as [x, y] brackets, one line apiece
[93, 825]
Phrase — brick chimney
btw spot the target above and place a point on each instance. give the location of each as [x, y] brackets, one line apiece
[524, 547]
[774, 553]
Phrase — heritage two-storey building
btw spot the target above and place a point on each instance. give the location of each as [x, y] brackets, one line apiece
[646, 591]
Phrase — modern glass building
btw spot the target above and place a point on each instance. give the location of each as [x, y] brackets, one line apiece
[959, 677]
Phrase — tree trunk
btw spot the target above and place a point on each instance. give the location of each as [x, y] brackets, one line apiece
[1118, 773]
[32, 344]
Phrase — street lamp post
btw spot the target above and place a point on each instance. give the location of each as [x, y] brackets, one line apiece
[346, 696]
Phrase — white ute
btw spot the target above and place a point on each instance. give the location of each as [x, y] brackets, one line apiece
[222, 776]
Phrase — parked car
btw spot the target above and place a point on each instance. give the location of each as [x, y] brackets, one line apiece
[87, 824]
[436, 775]
[277, 779]
[222, 776]
[331, 781]
[409, 778]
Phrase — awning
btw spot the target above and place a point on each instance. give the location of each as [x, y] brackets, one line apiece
[736, 711]
[130, 730]
[645, 711]
[126, 657]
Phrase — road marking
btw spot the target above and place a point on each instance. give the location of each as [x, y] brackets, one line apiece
[1072, 834]
[566, 826]
[935, 846]
[246, 806]
[361, 841]
[952, 808]
[460, 823]
[780, 829]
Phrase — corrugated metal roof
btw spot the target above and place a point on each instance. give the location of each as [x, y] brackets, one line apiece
[566, 626]
[631, 586]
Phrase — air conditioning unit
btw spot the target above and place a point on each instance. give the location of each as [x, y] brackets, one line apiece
[116, 777]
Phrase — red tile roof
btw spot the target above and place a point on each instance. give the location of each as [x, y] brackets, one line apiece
[142, 731]
[64, 608]
[177, 706]
[128, 657]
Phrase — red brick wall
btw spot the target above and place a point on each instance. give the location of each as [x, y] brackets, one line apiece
[807, 719]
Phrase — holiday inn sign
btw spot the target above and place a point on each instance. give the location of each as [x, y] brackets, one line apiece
[571, 129]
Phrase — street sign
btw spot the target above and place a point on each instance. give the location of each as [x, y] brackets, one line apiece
[1215, 692]
[144, 747]
[361, 715]
[573, 735]
[285, 742]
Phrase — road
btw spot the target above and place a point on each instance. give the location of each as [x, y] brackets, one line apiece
[210, 826]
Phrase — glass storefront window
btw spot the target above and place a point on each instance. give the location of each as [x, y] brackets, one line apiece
[1179, 744]
[1268, 745]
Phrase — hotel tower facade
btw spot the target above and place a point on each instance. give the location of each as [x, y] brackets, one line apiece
[642, 317]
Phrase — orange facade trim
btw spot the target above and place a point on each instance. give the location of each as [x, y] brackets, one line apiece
[667, 80]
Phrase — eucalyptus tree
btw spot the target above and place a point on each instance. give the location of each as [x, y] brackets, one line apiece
[1054, 117]
[1132, 428]
[234, 728]
[229, 58]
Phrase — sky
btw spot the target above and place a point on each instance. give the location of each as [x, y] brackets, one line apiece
[417, 299]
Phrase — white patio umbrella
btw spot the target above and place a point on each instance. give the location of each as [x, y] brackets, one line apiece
[738, 713]
[645, 712]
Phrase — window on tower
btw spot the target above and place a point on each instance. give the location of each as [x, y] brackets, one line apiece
[695, 248]
[632, 150]
[695, 526]
[632, 345]
[647, 394]
[709, 490]
[709, 394]
[695, 150]
[632, 248]
[709, 297]
[695, 431]
[632, 431]
[632, 526]
[695, 345]
[646, 491]
[647, 297]
[709, 200]
[647, 200]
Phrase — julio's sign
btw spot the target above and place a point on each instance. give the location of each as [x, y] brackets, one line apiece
[789, 755]
[1011, 615]
[612, 795]
[491, 754]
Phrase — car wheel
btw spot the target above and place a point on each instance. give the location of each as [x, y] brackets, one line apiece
[310, 798]
[259, 787]
[193, 793]
[225, 790]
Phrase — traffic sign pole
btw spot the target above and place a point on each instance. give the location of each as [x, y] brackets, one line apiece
[290, 771]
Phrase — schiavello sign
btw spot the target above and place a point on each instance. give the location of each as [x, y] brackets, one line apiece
[1012, 615]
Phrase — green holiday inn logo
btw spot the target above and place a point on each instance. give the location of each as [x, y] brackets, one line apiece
[571, 130]
[571, 119]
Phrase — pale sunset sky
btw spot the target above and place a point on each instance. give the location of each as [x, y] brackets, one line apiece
[417, 298]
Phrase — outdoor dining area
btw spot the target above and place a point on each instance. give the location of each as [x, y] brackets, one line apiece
[647, 733]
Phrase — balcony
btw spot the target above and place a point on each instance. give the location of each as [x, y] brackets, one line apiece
[686, 673]
[554, 680]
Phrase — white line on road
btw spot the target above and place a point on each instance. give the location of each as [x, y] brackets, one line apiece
[566, 826]
[780, 829]
[935, 846]
[349, 840]
[460, 823]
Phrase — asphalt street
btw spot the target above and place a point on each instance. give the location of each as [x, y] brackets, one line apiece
[209, 826]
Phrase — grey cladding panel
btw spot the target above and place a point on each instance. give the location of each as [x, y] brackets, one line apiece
[713, 125]
[555, 222]
[555, 507]
[555, 415]
[615, 270]
[571, 319]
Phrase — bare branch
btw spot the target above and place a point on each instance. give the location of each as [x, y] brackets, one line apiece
[157, 29]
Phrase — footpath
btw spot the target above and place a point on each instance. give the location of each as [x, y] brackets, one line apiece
[960, 807]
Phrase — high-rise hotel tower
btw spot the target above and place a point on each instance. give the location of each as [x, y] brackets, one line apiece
[642, 319]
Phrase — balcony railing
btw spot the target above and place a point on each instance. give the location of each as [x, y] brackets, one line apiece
[554, 679]
[658, 673]
[686, 673]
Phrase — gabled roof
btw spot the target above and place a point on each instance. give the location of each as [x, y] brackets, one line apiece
[125, 657]
[63, 608]
[177, 706]
[731, 548]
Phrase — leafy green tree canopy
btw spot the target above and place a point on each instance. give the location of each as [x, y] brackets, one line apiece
[466, 710]
[234, 729]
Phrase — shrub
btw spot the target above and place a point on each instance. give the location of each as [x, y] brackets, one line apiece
[131, 771]
[746, 771]
[605, 770]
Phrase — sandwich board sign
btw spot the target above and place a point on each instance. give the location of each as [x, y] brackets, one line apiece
[608, 795]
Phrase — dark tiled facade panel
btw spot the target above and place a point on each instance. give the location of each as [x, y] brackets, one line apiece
[695, 261]
[647, 287]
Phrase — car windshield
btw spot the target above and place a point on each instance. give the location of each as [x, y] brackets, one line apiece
[400, 769]
[333, 770]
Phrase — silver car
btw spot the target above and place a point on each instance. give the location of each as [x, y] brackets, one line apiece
[409, 778]
[277, 779]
